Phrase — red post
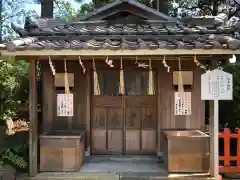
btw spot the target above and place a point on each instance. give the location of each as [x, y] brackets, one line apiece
[238, 147]
[227, 137]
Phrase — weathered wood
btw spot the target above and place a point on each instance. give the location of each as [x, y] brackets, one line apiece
[50, 119]
[120, 52]
[106, 124]
[187, 151]
[159, 106]
[88, 109]
[124, 124]
[211, 126]
[62, 151]
[33, 129]
[47, 96]
[168, 119]
[109, 106]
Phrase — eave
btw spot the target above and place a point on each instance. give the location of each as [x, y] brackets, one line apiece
[123, 52]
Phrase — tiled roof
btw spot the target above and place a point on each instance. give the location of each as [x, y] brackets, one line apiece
[175, 42]
[198, 33]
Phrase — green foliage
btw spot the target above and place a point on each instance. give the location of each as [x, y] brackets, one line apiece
[13, 87]
[13, 96]
[12, 11]
[85, 8]
[64, 10]
[229, 111]
[14, 150]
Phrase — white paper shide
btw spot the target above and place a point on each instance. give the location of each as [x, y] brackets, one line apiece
[64, 104]
[216, 85]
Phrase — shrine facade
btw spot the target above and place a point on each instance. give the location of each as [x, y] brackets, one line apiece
[126, 80]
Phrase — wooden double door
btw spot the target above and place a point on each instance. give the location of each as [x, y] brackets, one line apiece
[124, 124]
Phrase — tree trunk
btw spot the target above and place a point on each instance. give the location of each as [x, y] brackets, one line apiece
[46, 8]
[162, 6]
[215, 8]
[1, 25]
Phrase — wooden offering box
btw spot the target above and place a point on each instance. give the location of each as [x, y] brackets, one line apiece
[187, 151]
[62, 151]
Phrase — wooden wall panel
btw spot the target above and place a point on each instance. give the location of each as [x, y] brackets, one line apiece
[166, 106]
[133, 141]
[47, 97]
[98, 137]
[148, 140]
[50, 119]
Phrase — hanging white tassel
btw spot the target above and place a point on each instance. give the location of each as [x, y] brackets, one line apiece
[51, 66]
[81, 63]
[143, 65]
[165, 64]
[198, 64]
[109, 62]
[150, 79]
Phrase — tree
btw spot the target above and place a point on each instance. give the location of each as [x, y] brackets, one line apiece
[12, 11]
[46, 8]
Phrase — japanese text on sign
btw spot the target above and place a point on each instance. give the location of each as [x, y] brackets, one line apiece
[64, 104]
[216, 85]
[182, 103]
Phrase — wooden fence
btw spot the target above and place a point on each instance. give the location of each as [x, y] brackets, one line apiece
[231, 163]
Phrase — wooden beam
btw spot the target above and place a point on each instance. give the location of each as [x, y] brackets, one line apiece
[33, 130]
[120, 52]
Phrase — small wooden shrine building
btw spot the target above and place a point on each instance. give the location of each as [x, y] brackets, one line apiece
[118, 76]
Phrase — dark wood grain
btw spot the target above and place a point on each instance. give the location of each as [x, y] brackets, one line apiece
[33, 130]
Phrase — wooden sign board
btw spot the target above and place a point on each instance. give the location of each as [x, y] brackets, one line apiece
[182, 103]
[187, 77]
[216, 85]
[64, 104]
[59, 79]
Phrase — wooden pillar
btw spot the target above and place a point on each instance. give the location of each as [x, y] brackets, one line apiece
[212, 128]
[33, 129]
[88, 109]
[159, 153]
